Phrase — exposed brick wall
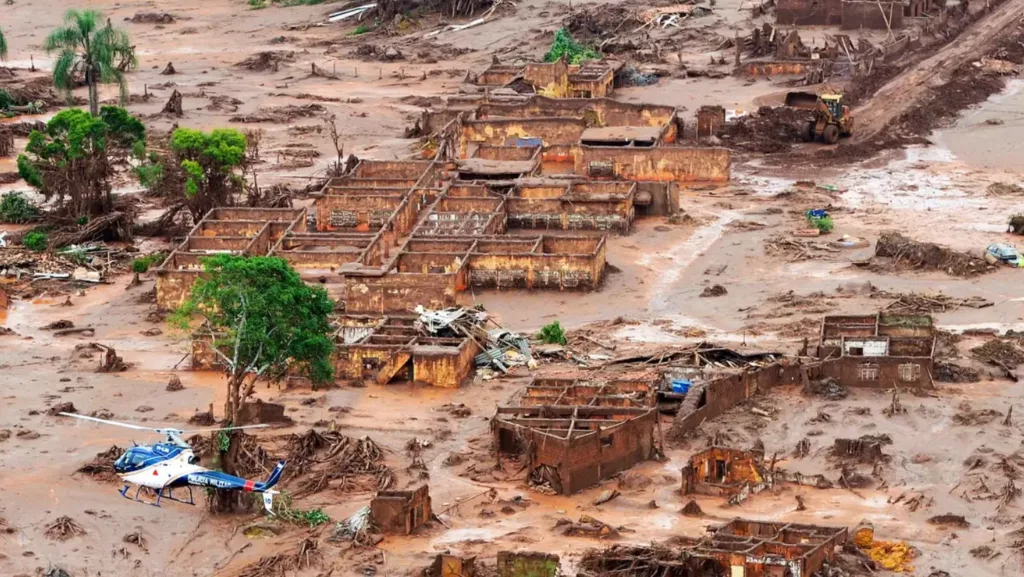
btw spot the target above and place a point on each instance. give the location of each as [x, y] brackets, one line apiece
[870, 15]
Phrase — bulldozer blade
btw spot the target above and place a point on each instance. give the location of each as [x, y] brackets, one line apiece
[801, 100]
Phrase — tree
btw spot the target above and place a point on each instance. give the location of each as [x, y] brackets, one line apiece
[72, 161]
[264, 322]
[99, 54]
[202, 171]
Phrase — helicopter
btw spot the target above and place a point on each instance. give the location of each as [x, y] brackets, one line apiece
[171, 465]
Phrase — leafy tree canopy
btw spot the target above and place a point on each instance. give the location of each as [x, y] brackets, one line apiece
[265, 318]
[565, 46]
[87, 48]
[71, 159]
[3, 46]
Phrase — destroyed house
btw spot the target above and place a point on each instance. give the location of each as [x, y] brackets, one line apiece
[575, 433]
[401, 512]
[725, 472]
[741, 548]
[759, 548]
[393, 235]
[391, 348]
[881, 350]
[854, 14]
[236, 231]
[592, 79]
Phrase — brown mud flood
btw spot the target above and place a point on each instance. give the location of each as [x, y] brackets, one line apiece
[865, 380]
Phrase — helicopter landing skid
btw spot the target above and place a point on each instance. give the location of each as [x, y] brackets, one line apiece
[159, 495]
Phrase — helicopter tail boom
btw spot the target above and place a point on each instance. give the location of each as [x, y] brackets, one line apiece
[275, 476]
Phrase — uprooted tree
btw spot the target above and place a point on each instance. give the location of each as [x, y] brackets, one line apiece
[72, 161]
[263, 322]
[87, 49]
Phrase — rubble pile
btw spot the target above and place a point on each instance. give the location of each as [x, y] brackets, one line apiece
[77, 263]
[770, 130]
[319, 461]
[281, 114]
[502, 349]
[954, 373]
[828, 388]
[967, 416]
[269, 60]
[63, 528]
[903, 252]
[796, 249]
[587, 526]
[306, 555]
[919, 303]
[102, 467]
[1005, 352]
[631, 560]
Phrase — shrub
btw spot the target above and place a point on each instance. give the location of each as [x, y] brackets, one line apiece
[36, 241]
[552, 334]
[822, 223]
[16, 209]
[142, 264]
[565, 45]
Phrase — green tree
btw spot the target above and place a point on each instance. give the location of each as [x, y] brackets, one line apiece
[204, 169]
[564, 46]
[264, 322]
[3, 46]
[86, 48]
[72, 160]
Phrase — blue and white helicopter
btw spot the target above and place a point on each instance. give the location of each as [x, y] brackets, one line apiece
[171, 465]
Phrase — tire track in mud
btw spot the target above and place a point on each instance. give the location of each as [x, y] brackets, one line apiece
[902, 93]
[682, 256]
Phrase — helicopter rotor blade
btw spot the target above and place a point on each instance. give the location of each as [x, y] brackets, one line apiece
[224, 429]
[106, 422]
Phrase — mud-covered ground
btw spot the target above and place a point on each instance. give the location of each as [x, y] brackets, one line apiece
[731, 236]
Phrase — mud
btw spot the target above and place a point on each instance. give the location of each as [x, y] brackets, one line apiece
[774, 299]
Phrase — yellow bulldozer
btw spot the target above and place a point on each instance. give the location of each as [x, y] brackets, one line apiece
[830, 118]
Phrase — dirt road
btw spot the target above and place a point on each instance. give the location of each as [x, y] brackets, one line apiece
[906, 89]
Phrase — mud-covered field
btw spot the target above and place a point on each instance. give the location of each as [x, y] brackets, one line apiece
[934, 157]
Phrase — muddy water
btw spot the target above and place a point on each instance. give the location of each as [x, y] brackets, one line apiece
[975, 142]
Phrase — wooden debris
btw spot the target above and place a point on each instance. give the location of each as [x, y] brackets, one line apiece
[797, 249]
[63, 528]
[918, 303]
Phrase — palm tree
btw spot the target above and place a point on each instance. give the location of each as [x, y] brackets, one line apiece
[3, 46]
[88, 49]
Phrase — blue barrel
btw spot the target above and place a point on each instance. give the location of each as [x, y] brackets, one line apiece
[681, 386]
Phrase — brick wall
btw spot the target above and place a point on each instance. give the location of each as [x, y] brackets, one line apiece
[872, 15]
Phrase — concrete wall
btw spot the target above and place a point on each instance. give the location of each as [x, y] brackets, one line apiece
[361, 361]
[504, 131]
[537, 271]
[527, 564]
[809, 12]
[548, 78]
[570, 214]
[403, 169]
[679, 164]
[397, 293]
[597, 111]
[446, 367]
[710, 120]
[592, 458]
[401, 512]
[716, 397]
[173, 287]
[872, 15]
[882, 372]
